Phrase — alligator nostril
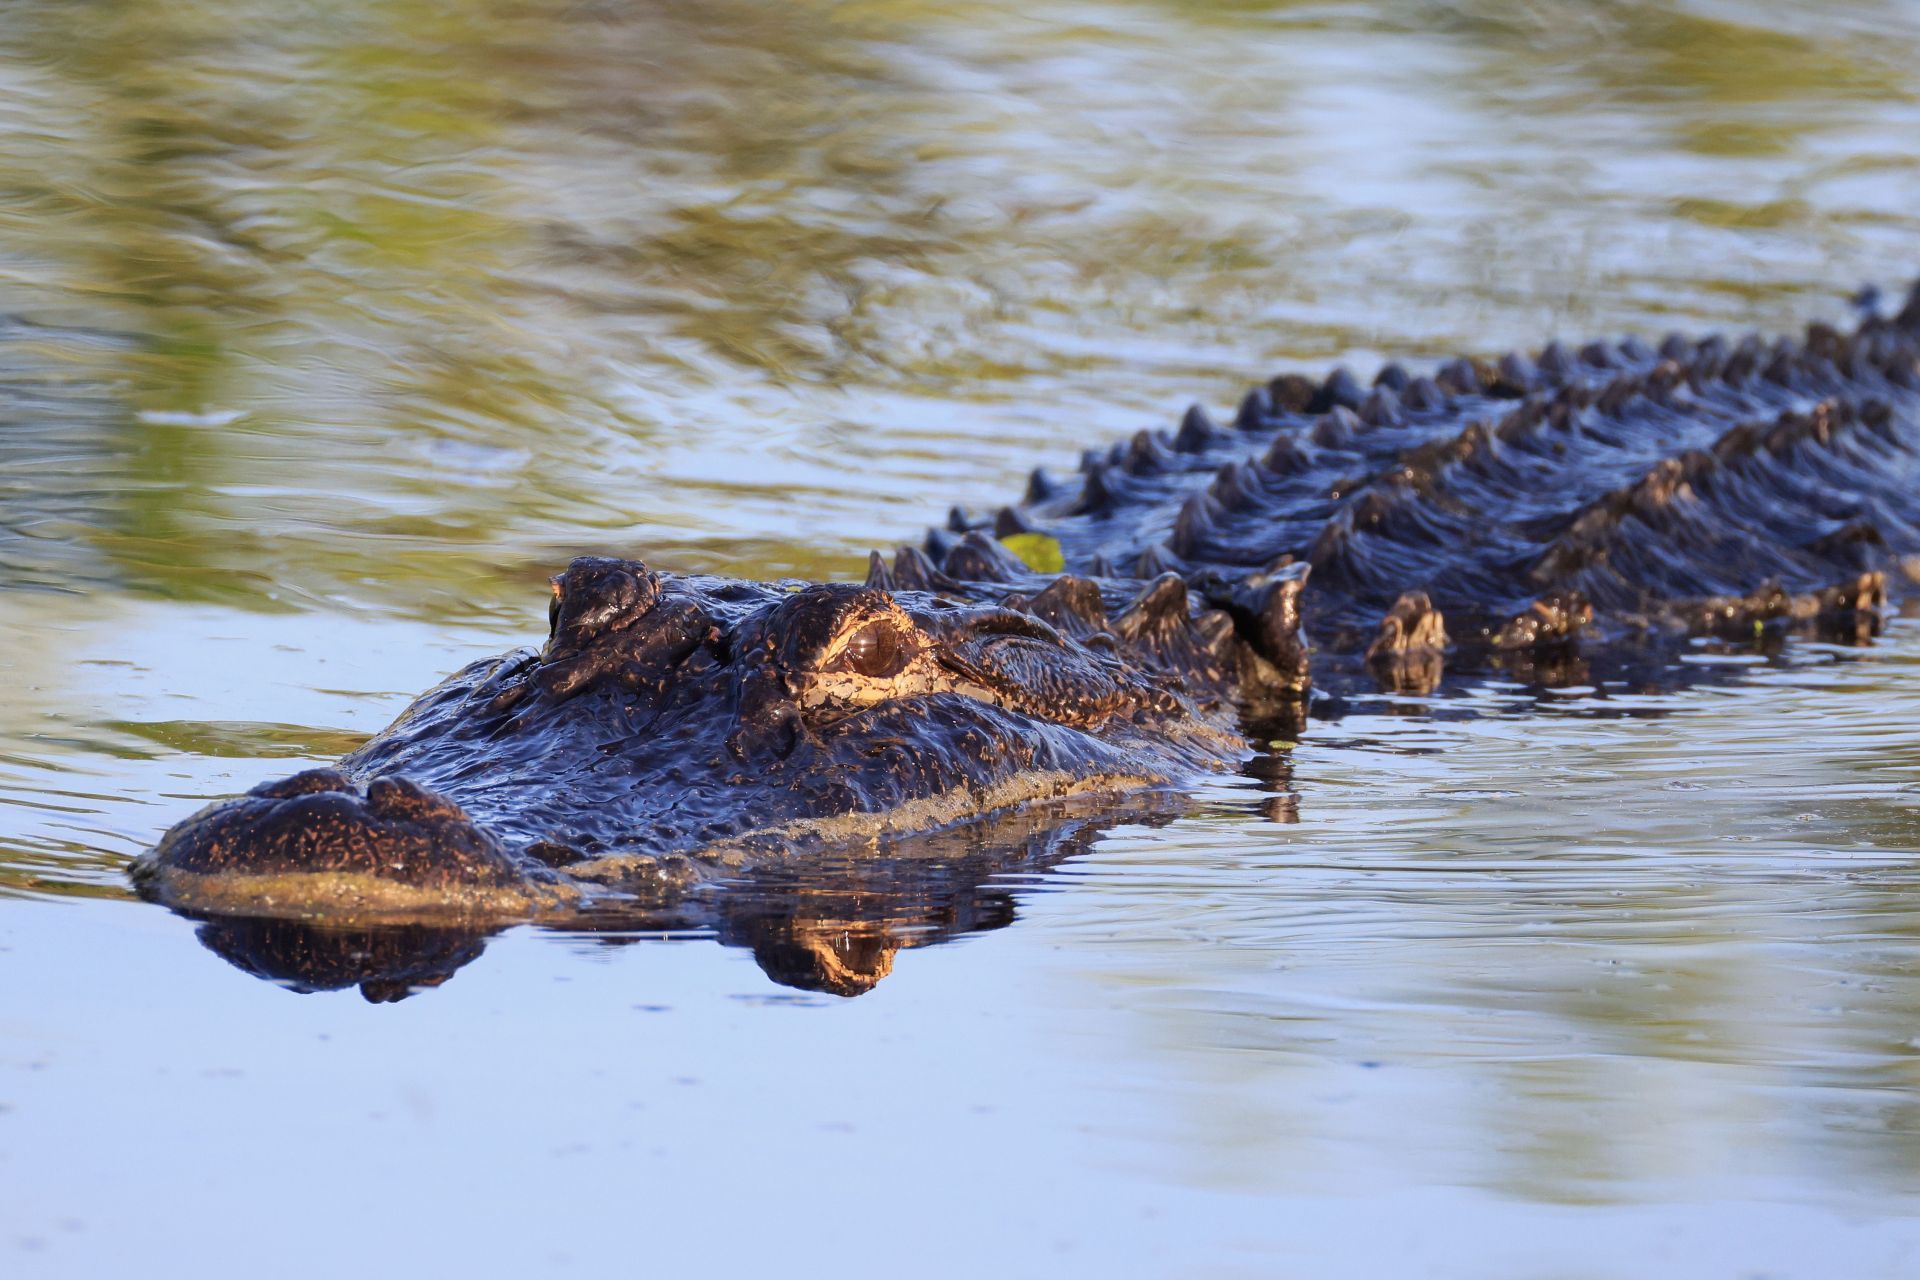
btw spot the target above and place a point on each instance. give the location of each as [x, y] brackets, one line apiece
[406, 799]
[305, 783]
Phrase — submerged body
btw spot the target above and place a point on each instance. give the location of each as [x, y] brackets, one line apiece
[1521, 513]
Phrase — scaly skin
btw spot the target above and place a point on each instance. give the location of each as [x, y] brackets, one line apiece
[1535, 513]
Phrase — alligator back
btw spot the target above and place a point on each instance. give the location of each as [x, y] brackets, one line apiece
[1700, 485]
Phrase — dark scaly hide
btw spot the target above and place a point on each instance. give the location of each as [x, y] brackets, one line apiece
[1530, 513]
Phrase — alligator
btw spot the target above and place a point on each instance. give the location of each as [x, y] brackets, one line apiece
[1177, 602]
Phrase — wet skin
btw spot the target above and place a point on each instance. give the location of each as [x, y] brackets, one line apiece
[1532, 514]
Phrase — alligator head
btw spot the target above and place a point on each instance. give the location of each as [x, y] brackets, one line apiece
[674, 725]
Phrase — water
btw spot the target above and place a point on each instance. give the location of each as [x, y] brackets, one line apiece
[330, 331]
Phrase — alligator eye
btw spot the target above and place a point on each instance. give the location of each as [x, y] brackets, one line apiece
[876, 651]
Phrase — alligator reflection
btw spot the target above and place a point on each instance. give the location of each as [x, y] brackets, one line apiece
[831, 926]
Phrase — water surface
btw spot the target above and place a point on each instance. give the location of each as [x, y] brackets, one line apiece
[329, 331]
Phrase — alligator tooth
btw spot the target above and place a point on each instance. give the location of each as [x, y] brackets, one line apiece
[1255, 408]
[1197, 433]
[878, 576]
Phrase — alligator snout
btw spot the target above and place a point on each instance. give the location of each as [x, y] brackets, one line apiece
[315, 840]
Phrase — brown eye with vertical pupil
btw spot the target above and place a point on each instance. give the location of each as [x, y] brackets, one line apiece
[876, 651]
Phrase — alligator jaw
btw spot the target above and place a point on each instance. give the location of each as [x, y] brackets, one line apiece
[316, 845]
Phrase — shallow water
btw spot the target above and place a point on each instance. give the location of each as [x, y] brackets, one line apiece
[329, 332]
